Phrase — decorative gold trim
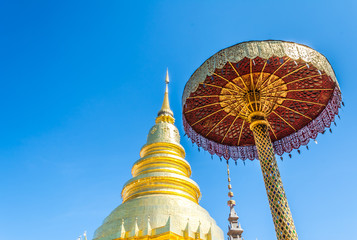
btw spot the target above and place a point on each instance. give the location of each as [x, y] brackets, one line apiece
[165, 118]
[258, 122]
[256, 114]
[160, 185]
[166, 169]
[163, 236]
[158, 162]
[154, 147]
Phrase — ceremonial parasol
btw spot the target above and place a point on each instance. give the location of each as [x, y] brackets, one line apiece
[258, 98]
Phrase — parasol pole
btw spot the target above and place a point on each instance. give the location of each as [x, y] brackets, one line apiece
[280, 211]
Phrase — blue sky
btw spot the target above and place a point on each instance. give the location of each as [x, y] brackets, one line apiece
[82, 81]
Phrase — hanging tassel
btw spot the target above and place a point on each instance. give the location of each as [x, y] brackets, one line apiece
[307, 147]
[323, 132]
[338, 116]
[290, 155]
[343, 104]
[220, 159]
[199, 149]
[244, 162]
[281, 158]
[298, 151]
[335, 124]
[212, 157]
[315, 141]
[235, 162]
[184, 134]
[330, 130]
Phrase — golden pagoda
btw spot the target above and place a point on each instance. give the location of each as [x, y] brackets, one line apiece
[160, 202]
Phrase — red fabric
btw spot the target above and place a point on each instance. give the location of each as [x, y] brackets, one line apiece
[224, 143]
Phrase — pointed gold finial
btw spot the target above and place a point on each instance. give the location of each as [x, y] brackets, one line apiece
[167, 80]
[165, 114]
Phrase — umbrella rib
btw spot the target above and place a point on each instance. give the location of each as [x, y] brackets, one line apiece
[306, 78]
[229, 128]
[304, 89]
[297, 80]
[208, 105]
[297, 100]
[238, 75]
[285, 76]
[218, 123]
[293, 71]
[250, 73]
[280, 105]
[262, 105]
[211, 114]
[284, 120]
[228, 81]
[207, 116]
[212, 85]
[261, 73]
[208, 96]
[275, 72]
[240, 134]
[252, 82]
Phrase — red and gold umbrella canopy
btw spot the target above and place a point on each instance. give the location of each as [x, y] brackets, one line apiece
[292, 85]
[258, 98]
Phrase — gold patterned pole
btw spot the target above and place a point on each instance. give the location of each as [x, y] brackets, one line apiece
[283, 221]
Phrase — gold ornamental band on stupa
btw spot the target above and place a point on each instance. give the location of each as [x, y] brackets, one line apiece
[160, 202]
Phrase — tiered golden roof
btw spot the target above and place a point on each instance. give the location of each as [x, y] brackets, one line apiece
[160, 201]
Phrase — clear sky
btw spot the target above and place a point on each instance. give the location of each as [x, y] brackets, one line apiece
[81, 84]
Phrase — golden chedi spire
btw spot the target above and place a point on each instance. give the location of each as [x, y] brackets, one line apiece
[161, 200]
[165, 113]
[162, 168]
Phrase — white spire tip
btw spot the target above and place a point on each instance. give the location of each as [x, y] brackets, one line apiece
[167, 80]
